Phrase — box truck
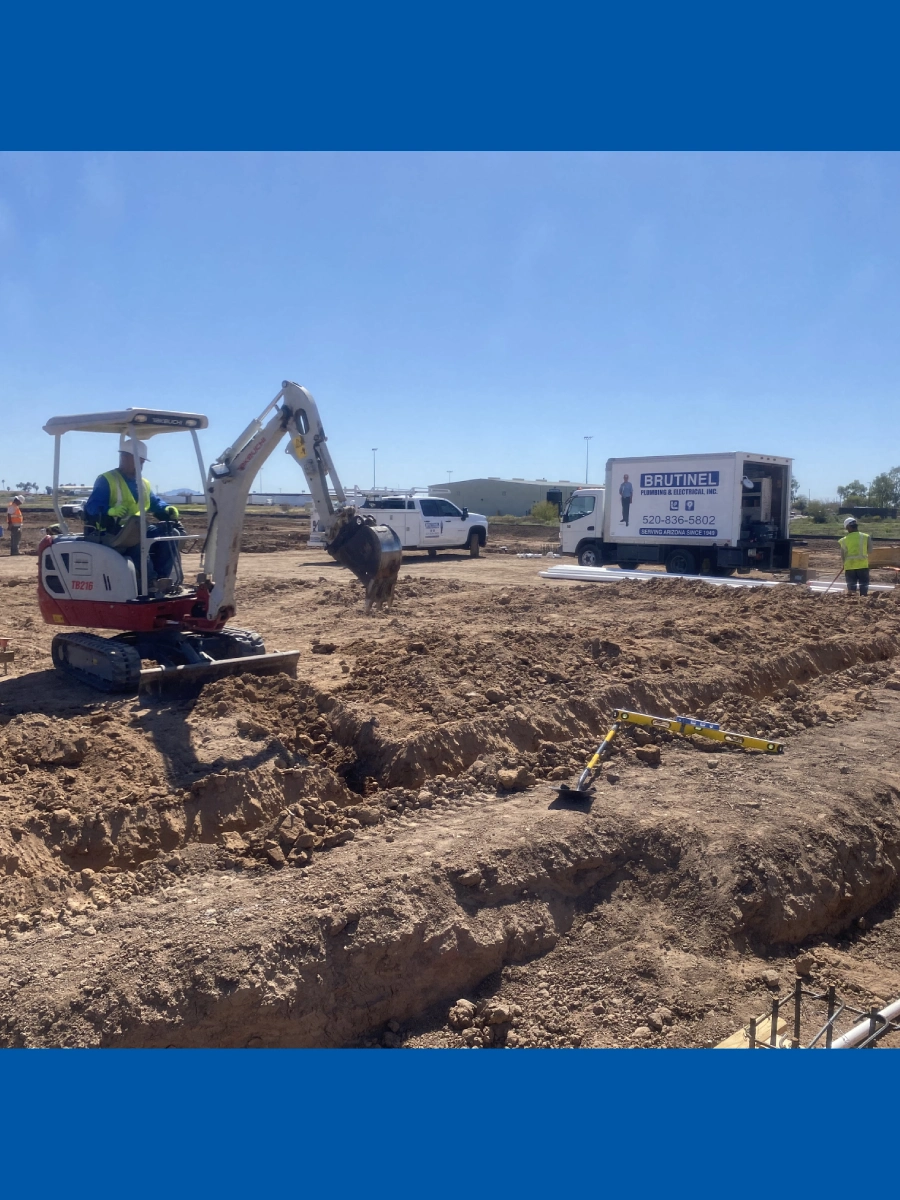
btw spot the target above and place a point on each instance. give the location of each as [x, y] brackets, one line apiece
[695, 513]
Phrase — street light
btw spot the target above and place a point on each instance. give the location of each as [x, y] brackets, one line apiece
[374, 449]
[449, 473]
[587, 454]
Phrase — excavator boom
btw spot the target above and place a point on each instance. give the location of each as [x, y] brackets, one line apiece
[372, 552]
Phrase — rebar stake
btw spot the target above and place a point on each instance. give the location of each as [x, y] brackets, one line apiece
[829, 1032]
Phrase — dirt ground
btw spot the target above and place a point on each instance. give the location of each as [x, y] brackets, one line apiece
[374, 853]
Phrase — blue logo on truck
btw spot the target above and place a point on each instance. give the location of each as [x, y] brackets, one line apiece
[679, 479]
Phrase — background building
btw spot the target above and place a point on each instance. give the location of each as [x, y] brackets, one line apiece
[496, 497]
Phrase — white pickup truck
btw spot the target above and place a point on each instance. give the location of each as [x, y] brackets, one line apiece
[429, 523]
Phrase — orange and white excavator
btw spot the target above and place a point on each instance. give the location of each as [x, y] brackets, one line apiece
[184, 630]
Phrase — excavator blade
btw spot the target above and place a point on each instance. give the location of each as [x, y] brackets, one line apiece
[157, 678]
[373, 553]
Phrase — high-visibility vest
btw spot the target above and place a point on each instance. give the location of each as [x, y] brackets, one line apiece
[14, 515]
[120, 494]
[855, 551]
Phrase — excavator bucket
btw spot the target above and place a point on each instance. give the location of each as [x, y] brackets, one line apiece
[373, 553]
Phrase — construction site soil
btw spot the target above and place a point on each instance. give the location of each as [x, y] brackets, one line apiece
[375, 853]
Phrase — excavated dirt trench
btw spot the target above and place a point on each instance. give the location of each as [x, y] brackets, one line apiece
[319, 861]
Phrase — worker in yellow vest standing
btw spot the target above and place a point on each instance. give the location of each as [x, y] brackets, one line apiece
[855, 557]
[14, 523]
[111, 516]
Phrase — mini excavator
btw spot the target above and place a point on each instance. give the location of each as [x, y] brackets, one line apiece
[184, 630]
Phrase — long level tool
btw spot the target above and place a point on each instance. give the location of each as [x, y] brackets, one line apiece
[693, 727]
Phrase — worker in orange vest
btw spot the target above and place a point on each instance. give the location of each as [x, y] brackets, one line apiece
[14, 523]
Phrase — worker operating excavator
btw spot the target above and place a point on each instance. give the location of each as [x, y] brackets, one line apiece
[112, 517]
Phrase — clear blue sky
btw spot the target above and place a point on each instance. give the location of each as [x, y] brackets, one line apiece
[479, 313]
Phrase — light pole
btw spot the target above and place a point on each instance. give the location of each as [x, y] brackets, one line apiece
[374, 449]
[587, 454]
[449, 473]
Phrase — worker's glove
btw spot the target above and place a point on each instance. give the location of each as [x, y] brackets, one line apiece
[172, 513]
[118, 511]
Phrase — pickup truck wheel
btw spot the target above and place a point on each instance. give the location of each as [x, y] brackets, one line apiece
[432, 553]
[474, 544]
[681, 562]
[589, 556]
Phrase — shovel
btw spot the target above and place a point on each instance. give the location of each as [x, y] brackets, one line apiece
[581, 791]
[833, 582]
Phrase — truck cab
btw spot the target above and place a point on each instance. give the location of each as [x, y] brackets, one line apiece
[429, 523]
[581, 526]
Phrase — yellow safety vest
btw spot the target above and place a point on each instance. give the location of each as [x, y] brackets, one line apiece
[120, 494]
[855, 551]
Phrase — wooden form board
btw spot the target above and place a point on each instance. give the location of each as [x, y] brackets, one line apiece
[741, 1039]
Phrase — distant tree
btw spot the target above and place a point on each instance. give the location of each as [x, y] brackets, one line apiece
[48, 489]
[25, 488]
[882, 491]
[795, 489]
[853, 493]
[546, 511]
[819, 512]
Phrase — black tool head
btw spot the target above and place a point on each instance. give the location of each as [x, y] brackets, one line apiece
[573, 793]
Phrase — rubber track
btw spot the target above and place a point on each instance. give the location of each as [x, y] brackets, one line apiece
[123, 661]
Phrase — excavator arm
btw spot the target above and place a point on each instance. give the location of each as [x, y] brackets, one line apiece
[372, 552]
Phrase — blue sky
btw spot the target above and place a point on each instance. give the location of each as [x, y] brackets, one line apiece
[479, 313]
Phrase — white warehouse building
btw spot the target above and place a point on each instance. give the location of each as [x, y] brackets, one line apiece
[496, 497]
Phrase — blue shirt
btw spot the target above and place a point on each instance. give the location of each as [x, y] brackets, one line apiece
[626, 490]
[96, 506]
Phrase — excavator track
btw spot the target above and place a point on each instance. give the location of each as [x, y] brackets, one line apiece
[103, 663]
[114, 664]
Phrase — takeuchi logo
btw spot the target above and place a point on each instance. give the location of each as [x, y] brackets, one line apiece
[676, 479]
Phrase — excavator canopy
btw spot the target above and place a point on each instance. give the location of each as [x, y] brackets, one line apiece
[149, 421]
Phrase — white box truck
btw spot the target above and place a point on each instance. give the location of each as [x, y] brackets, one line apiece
[695, 513]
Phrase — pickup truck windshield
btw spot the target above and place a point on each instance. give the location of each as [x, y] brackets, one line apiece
[439, 508]
[579, 506]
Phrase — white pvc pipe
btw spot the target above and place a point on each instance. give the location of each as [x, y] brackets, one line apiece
[860, 1032]
[611, 575]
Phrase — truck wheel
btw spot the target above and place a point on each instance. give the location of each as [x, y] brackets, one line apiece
[589, 555]
[432, 553]
[474, 544]
[681, 562]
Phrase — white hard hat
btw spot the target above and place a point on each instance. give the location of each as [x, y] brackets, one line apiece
[850, 521]
[18, 499]
[125, 447]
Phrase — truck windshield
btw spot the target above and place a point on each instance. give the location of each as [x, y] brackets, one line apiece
[579, 506]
